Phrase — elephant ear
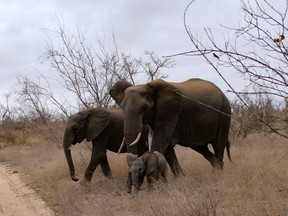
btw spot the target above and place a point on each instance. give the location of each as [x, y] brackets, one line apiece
[117, 90]
[151, 162]
[167, 101]
[97, 120]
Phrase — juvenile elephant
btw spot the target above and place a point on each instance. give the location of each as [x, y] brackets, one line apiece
[152, 165]
[104, 127]
[193, 113]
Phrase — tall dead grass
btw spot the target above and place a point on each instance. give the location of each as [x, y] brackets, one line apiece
[254, 183]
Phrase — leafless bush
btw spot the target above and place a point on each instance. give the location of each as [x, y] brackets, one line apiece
[38, 102]
[51, 132]
[13, 128]
[249, 119]
[31, 100]
[14, 133]
[30, 116]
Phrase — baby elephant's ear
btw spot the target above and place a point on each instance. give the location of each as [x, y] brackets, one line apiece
[117, 90]
[97, 120]
[131, 158]
[161, 158]
[151, 163]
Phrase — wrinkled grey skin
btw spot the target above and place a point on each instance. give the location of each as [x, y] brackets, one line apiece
[152, 165]
[104, 127]
[193, 113]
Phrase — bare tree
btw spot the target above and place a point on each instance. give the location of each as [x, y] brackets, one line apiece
[30, 98]
[85, 71]
[5, 110]
[41, 95]
[258, 50]
[89, 71]
[153, 66]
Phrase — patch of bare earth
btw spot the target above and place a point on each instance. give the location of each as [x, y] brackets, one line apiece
[18, 199]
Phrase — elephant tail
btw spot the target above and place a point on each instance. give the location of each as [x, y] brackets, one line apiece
[225, 117]
[228, 149]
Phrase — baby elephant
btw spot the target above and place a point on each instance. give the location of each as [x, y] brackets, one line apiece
[152, 165]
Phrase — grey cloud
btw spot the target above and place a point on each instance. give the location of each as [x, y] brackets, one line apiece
[138, 25]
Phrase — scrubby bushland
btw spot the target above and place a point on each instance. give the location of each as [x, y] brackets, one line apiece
[259, 161]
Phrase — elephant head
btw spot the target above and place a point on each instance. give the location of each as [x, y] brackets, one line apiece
[87, 125]
[156, 103]
[145, 165]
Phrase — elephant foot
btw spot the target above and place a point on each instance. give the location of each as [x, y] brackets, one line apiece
[106, 173]
[108, 177]
[134, 191]
[86, 184]
[74, 178]
[128, 190]
[217, 165]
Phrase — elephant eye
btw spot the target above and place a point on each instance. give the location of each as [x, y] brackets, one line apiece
[76, 130]
[144, 108]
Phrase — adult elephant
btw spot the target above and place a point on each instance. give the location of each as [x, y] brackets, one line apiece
[193, 113]
[104, 127]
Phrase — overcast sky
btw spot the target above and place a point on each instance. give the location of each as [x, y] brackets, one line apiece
[138, 25]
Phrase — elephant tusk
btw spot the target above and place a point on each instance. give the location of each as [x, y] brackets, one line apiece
[70, 147]
[150, 137]
[121, 146]
[137, 139]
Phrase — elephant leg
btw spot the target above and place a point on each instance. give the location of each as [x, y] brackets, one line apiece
[98, 156]
[157, 176]
[219, 154]
[130, 157]
[105, 168]
[150, 181]
[94, 162]
[140, 181]
[214, 161]
[172, 160]
[129, 183]
[164, 175]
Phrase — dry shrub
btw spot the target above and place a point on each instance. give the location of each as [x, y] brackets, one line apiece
[31, 133]
[261, 114]
[51, 131]
[14, 134]
[254, 183]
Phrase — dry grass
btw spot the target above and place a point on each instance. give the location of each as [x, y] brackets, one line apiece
[254, 183]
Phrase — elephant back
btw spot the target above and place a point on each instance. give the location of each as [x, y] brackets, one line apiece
[202, 91]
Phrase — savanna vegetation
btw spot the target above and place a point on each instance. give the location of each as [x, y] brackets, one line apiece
[255, 182]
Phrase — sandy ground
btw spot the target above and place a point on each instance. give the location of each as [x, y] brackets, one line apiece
[16, 198]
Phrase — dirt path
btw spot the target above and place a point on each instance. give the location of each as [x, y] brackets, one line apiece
[17, 199]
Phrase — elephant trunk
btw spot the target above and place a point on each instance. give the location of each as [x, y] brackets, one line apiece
[136, 184]
[133, 127]
[66, 145]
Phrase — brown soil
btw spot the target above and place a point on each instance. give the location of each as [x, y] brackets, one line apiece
[17, 198]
